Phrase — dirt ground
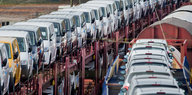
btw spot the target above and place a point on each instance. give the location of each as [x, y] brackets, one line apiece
[14, 13]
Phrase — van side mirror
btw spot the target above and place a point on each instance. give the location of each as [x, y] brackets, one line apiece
[30, 49]
[39, 43]
[73, 28]
[4, 62]
[108, 14]
[126, 7]
[51, 39]
[16, 55]
[121, 9]
[93, 20]
[101, 17]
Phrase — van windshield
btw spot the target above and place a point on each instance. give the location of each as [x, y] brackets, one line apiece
[87, 17]
[32, 37]
[67, 25]
[83, 19]
[8, 50]
[44, 33]
[96, 14]
[21, 43]
[77, 21]
[56, 29]
[38, 34]
[103, 11]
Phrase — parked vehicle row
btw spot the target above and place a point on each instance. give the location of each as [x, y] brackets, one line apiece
[148, 70]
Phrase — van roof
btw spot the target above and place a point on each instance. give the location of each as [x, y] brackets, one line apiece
[8, 40]
[13, 33]
[67, 12]
[56, 16]
[40, 24]
[1, 45]
[103, 2]
[100, 5]
[82, 9]
[20, 27]
[46, 20]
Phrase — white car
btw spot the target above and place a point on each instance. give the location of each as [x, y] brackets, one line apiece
[158, 90]
[137, 62]
[36, 41]
[149, 54]
[25, 47]
[99, 19]
[58, 29]
[49, 39]
[4, 70]
[138, 70]
[80, 24]
[152, 82]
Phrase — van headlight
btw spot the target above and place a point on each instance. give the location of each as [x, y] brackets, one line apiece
[24, 62]
[46, 49]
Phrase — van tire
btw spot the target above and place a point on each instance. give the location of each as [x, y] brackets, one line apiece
[12, 83]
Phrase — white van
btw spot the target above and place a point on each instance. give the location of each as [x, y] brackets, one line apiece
[99, 19]
[49, 39]
[36, 41]
[71, 30]
[90, 20]
[59, 33]
[80, 25]
[106, 17]
[4, 70]
[113, 12]
[25, 47]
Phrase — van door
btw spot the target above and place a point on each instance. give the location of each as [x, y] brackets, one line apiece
[52, 37]
[93, 24]
[29, 46]
[5, 68]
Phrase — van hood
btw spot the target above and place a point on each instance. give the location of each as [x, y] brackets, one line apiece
[24, 56]
[46, 43]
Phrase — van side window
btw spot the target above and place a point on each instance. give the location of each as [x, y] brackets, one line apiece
[44, 33]
[8, 50]
[110, 7]
[38, 34]
[1, 56]
[114, 8]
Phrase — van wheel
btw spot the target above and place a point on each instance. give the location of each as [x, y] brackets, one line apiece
[12, 83]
